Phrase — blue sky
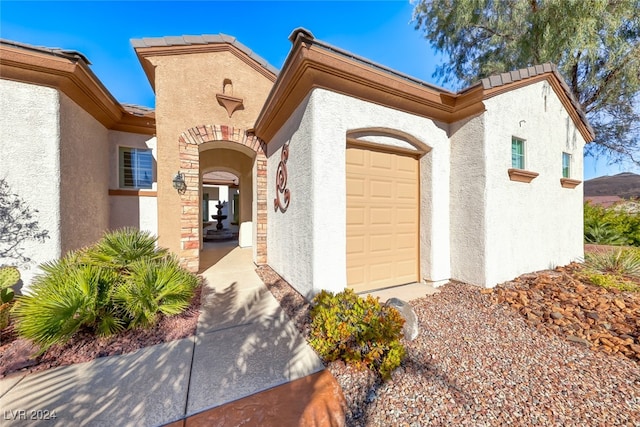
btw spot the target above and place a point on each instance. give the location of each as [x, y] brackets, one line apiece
[381, 31]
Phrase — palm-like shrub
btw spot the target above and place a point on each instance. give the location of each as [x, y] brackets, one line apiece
[119, 248]
[123, 281]
[69, 297]
[152, 288]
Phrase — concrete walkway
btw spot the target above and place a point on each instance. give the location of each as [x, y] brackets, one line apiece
[244, 344]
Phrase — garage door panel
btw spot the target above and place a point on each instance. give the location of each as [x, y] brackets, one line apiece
[355, 274]
[356, 186]
[406, 164]
[406, 191]
[356, 215]
[406, 241]
[380, 189]
[379, 160]
[382, 219]
[380, 216]
[355, 244]
[405, 216]
[381, 243]
[355, 158]
[380, 272]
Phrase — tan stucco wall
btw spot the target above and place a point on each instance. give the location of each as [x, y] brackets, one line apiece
[186, 88]
[131, 210]
[84, 176]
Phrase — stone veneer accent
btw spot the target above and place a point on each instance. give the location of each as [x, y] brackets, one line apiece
[190, 226]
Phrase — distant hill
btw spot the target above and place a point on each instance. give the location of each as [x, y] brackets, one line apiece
[625, 185]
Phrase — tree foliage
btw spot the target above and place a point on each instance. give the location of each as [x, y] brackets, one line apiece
[594, 43]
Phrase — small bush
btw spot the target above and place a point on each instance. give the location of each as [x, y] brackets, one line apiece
[624, 262]
[152, 288]
[123, 281]
[610, 281]
[358, 331]
[611, 226]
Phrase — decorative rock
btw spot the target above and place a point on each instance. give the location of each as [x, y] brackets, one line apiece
[578, 340]
[593, 315]
[410, 327]
[619, 303]
[604, 320]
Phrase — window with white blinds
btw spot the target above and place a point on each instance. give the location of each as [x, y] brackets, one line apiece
[135, 167]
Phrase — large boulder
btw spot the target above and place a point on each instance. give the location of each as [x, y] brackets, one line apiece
[410, 327]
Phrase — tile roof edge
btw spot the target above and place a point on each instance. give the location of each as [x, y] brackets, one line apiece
[53, 51]
[496, 80]
[306, 35]
[191, 40]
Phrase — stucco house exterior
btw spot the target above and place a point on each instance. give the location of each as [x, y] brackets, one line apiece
[348, 173]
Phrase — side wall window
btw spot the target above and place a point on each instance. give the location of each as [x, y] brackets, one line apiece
[566, 165]
[517, 153]
[135, 167]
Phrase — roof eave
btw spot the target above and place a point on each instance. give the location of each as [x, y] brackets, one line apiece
[71, 75]
[311, 64]
[149, 48]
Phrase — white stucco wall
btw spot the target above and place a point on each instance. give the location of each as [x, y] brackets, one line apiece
[84, 173]
[467, 209]
[537, 225]
[290, 234]
[307, 244]
[30, 163]
[131, 211]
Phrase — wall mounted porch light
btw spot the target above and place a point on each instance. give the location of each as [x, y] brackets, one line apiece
[179, 184]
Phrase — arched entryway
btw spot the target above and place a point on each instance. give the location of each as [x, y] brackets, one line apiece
[210, 147]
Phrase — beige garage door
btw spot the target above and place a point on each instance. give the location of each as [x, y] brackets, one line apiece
[382, 219]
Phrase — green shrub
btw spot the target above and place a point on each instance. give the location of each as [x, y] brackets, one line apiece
[123, 281]
[152, 288]
[119, 248]
[359, 331]
[624, 262]
[610, 281]
[611, 226]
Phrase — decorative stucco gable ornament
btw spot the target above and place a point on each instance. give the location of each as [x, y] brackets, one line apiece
[227, 100]
[281, 182]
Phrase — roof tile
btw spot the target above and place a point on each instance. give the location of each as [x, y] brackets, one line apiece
[495, 80]
[174, 40]
[214, 38]
[155, 41]
[193, 39]
[203, 39]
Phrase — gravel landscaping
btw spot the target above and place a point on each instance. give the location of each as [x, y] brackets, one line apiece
[20, 355]
[477, 362]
